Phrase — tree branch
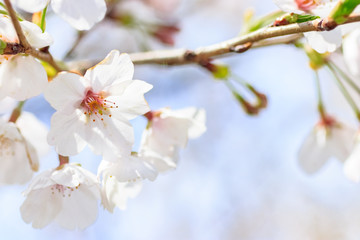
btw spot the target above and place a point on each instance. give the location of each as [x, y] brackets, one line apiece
[24, 44]
[16, 23]
[183, 56]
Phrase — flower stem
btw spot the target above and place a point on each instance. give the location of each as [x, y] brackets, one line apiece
[63, 160]
[321, 107]
[345, 92]
[16, 112]
[346, 77]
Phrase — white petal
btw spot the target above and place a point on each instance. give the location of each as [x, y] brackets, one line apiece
[33, 131]
[162, 159]
[67, 90]
[111, 137]
[31, 5]
[197, 116]
[342, 141]
[171, 130]
[323, 42]
[80, 209]
[22, 77]
[131, 103]
[116, 193]
[81, 14]
[288, 6]
[7, 30]
[351, 52]
[15, 165]
[130, 168]
[73, 175]
[352, 165]
[35, 36]
[312, 156]
[324, 8]
[41, 181]
[40, 207]
[114, 69]
[65, 133]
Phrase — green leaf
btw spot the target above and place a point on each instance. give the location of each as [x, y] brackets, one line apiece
[290, 18]
[251, 25]
[343, 9]
[2, 46]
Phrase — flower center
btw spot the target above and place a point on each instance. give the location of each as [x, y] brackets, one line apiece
[6, 147]
[61, 189]
[307, 5]
[95, 105]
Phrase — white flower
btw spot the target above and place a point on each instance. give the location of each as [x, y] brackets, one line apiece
[21, 76]
[167, 131]
[68, 195]
[20, 145]
[329, 139]
[320, 41]
[18, 158]
[96, 109]
[122, 179]
[81, 14]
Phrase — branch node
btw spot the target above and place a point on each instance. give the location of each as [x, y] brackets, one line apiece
[189, 55]
[241, 48]
[326, 24]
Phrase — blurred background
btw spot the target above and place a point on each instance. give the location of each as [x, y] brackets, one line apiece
[241, 179]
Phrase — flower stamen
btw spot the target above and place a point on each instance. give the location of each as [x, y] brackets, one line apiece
[95, 104]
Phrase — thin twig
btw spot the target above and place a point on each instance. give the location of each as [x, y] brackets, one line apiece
[184, 56]
[27, 48]
[16, 23]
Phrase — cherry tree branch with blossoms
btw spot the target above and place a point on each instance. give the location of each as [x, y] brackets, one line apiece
[95, 109]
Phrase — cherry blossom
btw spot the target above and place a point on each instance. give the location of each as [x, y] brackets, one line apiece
[18, 156]
[169, 130]
[21, 76]
[67, 195]
[95, 109]
[320, 41]
[74, 12]
[328, 139]
[20, 148]
[122, 179]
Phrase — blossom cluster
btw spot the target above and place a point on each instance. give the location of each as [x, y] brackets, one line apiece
[330, 138]
[94, 110]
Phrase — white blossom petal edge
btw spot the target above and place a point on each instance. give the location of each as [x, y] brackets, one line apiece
[68, 195]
